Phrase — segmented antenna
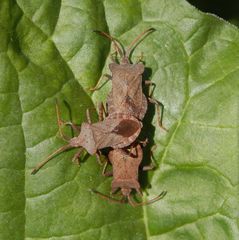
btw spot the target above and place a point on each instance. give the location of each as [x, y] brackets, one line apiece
[116, 45]
[41, 164]
[136, 204]
[130, 200]
[137, 39]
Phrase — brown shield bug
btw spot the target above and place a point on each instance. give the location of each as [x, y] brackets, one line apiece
[125, 175]
[117, 131]
[127, 94]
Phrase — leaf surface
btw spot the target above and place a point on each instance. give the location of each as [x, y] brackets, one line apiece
[48, 51]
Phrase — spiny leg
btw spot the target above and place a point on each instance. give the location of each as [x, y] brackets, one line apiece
[157, 103]
[150, 83]
[159, 111]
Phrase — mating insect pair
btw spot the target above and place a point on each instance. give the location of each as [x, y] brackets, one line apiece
[126, 105]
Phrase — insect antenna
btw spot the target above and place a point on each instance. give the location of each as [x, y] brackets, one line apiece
[41, 164]
[131, 201]
[135, 204]
[117, 45]
[136, 41]
[106, 197]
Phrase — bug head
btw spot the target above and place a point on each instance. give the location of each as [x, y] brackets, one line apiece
[84, 140]
[128, 196]
[123, 53]
[71, 142]
[126, 192]
[126, 188]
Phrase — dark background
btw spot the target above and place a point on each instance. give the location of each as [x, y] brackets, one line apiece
[227, 9]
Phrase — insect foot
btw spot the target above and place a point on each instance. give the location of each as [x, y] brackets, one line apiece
[125, 176]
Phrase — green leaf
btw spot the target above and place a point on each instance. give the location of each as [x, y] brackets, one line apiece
[48, 51]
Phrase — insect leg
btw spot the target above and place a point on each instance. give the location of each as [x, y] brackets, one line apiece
[107, 76]
[102, 111]
[159, 111]
[152, 165]
[62, 123]
[150, 83]
[133, 152]
[76, 157]
[149, 167]
[98, 154]
[106, 197]
[88, 116]
[74, 127]
[104, 173]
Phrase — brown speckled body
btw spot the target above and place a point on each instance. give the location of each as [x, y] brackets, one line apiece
[127, 95]
[125, 169]
[116, 131]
